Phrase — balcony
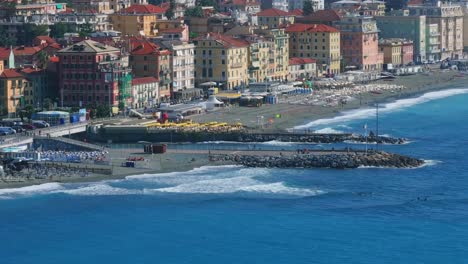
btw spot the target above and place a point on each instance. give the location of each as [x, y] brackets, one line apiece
[237, 65]
[432, 51]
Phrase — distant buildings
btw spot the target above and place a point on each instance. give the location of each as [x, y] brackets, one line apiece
[275, 18]
[145, 92]
[181, 63]
[299, 4]
[449, 18]
[13, 84]
[396, 51]
[137, 20]
[408, 27]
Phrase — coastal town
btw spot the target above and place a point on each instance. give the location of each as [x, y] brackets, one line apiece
[100, 89]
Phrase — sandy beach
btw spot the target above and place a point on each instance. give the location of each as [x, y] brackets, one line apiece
[292, 114]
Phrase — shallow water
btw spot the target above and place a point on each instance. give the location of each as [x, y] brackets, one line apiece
[232, 214]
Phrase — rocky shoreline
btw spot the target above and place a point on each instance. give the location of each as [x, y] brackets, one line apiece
[330, 160]
[320, 138]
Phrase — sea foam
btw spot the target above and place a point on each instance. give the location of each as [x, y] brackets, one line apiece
[385, 108]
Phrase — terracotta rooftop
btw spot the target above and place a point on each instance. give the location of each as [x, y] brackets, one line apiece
[144, 80]
[143, 9]
[226, 41]
[326, 15]
[297, 12]
[310, 28]
[273, 12]
[10, 73]
[141, 46]
[300, 61]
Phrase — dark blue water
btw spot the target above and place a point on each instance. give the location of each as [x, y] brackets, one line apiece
[240, 215]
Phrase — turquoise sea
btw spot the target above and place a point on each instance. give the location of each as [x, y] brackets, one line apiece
[232, 214]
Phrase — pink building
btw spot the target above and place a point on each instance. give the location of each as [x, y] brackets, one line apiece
[407, 52]
[360, 43]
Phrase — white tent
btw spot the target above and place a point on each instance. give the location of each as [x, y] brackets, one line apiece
[213, 102]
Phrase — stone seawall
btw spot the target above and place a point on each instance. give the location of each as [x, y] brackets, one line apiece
[243, 136]
[338, 161]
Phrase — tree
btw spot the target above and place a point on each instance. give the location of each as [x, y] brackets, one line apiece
[5, 39]
[308, 8]
[170, 11]
[58, 30]
[194, 12]
[47, 104]
[394, 5]
[27, 112]
[43, 59]
[30, 32]
[86, 30]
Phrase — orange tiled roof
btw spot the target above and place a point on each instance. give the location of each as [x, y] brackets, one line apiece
[10, 73]
[310, 28]
[226, 41]
[300, 61]
[143, 9]
[273, 12]
[143, 80]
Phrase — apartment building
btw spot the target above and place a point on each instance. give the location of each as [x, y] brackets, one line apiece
[221, 59]
[317, 41]
[91, 73]
[299, 4]
[360, 43]
[137, 20]
[13, 85]
[449, 18]
[396, 51]
[275, 18]
[402, 25]
[302, 68]
[181, 63]
[148, 59]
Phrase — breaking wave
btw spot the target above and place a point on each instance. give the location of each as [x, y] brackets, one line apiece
[385, 108]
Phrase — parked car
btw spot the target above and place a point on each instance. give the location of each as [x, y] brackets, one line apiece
[7, 131]
[28, 127]
[40, 124]
[18, 129]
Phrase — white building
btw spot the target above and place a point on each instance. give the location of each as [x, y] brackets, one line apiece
[280, 4]
[182, 63]
[299, 4]
[302, 68]
[145, 92]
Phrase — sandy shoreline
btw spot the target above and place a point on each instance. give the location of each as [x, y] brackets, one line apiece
[291, 116]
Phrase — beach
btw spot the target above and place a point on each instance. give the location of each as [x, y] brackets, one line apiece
[291, 115]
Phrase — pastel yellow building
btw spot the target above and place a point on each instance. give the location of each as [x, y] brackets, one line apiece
[259, 56]
[392, 51]
[137, 20]
[317, 41]
[12, 87]
[275, 18]
[221, 59]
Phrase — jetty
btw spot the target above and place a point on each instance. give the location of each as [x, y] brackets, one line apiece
[318, 159]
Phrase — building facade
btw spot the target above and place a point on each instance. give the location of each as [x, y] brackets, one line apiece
[13, 84]
[449, 18]
[409, 27]
[148, 59]
[360, 43]
[145, 92]
[433, 51]
[275, 18]
[221, 59]
[91, 73]
[181, 63]
[320, 42]
[396, 51]
[302, 68]
[137, 20]
[299, 4]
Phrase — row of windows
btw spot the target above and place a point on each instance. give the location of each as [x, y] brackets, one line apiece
[82, 87]
[80, 76]
[89, 98]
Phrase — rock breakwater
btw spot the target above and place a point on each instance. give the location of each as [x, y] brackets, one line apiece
[330, 160]
[320, 138]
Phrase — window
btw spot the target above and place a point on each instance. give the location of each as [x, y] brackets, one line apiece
[223, 62]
